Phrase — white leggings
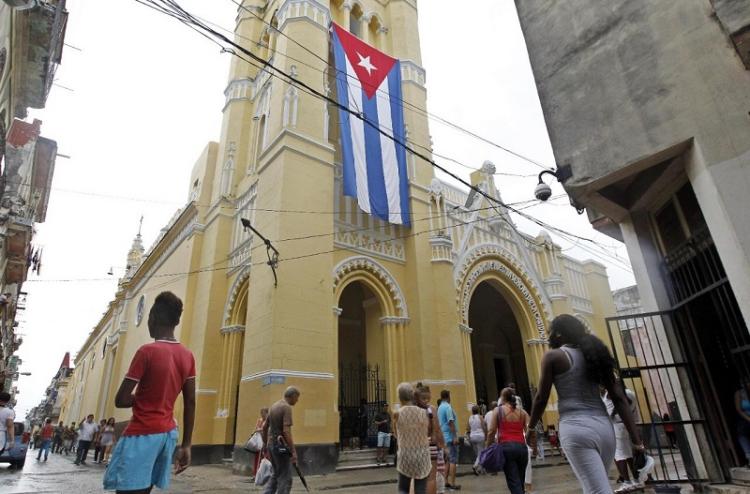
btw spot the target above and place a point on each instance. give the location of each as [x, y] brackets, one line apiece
[589, 444]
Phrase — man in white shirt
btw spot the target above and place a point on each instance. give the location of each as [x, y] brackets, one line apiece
[7, 416]
[88, 430]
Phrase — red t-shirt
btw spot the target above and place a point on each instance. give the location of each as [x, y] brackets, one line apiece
[160, 369]
[47, 431]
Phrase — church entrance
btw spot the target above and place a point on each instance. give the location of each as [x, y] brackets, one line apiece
[362, 374]
[497, 347]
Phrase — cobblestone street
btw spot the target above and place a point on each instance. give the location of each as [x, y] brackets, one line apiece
[60, 475]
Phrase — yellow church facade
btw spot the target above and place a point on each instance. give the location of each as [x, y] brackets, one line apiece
[461, 300]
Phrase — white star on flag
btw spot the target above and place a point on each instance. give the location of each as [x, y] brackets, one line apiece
[365, 63]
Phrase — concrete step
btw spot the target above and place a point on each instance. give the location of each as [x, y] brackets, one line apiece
[727, 489]
[360, 459]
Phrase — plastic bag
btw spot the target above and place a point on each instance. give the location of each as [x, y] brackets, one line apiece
[255, 443]
[264, 473]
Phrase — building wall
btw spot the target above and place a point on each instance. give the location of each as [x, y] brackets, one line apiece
[253, 337]
[646, 83]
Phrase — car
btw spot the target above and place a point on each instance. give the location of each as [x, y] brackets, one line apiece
[16, 454]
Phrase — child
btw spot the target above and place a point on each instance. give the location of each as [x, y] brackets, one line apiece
[161, 370]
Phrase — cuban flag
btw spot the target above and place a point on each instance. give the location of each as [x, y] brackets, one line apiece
[369, 83]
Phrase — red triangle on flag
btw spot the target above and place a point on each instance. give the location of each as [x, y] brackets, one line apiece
[370, 64]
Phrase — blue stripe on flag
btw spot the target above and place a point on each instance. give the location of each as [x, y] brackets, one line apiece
[347, 152]
[399, 132]
[375, 177]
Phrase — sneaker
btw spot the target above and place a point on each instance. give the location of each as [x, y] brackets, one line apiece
[646, 469]
[627, 486]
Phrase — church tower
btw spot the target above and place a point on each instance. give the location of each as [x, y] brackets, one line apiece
[277, 165]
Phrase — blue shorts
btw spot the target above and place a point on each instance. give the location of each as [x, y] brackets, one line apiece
[452, 454]
[384, 440]
[138, 462]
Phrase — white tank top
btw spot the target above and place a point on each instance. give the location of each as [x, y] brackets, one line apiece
[475, 427]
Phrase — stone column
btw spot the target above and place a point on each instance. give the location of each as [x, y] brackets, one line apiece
[471, 392]
[393, 328]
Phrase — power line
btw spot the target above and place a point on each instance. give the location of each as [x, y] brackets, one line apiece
[407, 103]
[175, 10]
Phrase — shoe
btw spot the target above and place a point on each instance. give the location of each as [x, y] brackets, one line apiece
[474, 469]
[646, 469]
[453, 487]
[627, 486]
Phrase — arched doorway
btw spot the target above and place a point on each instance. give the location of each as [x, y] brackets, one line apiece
[232, 348]
[362, 364]
[497, 345]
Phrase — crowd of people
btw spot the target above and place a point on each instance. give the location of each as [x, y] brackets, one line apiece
[78, 440]
[597, 419]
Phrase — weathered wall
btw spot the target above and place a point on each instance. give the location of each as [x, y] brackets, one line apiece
[621, 80]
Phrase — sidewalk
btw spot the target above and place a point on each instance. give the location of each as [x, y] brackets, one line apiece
[553, 477]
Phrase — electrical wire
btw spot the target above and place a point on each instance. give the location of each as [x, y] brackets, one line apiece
[196, 24]
[424, 111]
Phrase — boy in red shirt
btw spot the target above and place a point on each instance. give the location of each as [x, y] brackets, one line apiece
[161, 370]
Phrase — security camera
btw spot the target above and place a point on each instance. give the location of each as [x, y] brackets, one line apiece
[542, 191]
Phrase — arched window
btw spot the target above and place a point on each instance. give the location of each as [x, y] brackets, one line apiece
[355, 21]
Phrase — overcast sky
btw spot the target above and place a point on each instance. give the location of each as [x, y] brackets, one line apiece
[147, 96]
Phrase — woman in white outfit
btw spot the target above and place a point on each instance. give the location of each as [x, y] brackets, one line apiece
[477, 430]
[578, 364]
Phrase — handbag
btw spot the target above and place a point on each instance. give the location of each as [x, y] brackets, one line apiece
[255, 443]
[492, 458]
[264, 473]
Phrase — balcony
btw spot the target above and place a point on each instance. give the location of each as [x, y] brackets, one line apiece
[40, 35]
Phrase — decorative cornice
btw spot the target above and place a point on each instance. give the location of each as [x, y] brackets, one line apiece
[537, 341]
[394, 320]
[443, 382]
[379, 271]
[237, 328]
[287, 373]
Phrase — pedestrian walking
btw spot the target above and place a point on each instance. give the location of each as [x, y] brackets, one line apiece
[98, 448]
[383, 423]
[86, 435]
[578, 364]
[107, 440]
[448, 419]
[277, 435]
[623, 447]
[477, 431]
[411, 424]
[436, 478]
[57, 438]
[161, 370]
[7, 427]
[68, 436]
[45, 435]
[259, 429]
[528, 475]
[508, 427]
[669, 431]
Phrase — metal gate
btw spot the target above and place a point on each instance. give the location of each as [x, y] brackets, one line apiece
[362, 393]
[651, 355]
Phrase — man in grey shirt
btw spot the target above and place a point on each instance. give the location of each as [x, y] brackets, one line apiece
[277, 435]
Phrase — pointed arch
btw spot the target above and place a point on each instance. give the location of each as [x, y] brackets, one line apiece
[487, 262]
[377, 278]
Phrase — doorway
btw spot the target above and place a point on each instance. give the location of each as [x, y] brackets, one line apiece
[362, 381]
[497, 347]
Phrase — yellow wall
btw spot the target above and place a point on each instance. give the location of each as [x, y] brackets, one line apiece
[289, 334]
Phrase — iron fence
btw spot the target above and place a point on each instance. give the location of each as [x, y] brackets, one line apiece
[362, 394]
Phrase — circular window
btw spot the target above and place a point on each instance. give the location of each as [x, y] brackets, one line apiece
[139, 310]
